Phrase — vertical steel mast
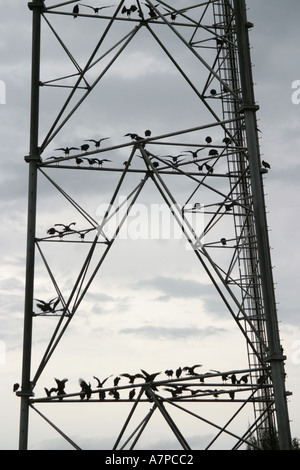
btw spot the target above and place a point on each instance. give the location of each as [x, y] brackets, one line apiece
[32, 159]
[249, 109]
[207, 45]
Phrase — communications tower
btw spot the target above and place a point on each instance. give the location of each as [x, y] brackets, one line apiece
[196, 145]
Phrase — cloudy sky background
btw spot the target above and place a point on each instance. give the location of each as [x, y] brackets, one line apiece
[153, 293]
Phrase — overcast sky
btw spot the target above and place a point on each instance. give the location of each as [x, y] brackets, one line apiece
[147, 290]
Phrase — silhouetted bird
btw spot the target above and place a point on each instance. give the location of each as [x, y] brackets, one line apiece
[149, 377]
[209, 168]
[223, 241]
[66, 228]
[129, 10]
[84, 147]
[100, 162]
[194, 152]
[244, 378]
[100, 384]
[169, 372]
[16, 387]
[226, 140]
[61, 387]
[102, 395]
[208, 139]
[233, 379]
[191, 370]
[67, 150]
[75, 11]
[116, 381]
[152, 13]
[115, 394]
[97, 142]
[78, 160]
[92, 161]
[178, 372]
[231, 394]
[131, 394]
[96, 9]
[132, 377]
[174, 14]
[86, 390]
[213, 152]
[47, 307]
[133, 136]
[147, 133]
[49, 392]
[265, 164]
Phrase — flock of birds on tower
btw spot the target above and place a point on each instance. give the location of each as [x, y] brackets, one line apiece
[150, 380]
[173, 161]
[128, 10]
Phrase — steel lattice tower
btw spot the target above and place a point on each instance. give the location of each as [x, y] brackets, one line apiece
[223, 182]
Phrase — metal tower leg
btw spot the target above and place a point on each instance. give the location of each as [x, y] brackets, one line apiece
[32, 159]
[249, 109]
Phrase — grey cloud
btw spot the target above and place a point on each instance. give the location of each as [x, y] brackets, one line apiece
[170, 333]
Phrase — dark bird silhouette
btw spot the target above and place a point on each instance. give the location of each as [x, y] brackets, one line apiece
[66, 228]
[266, 164]
[100, 162]
[149, 377]
[131, 394]
[86, 390]
[97, 142]
[16, 387]
[223, 241]
[61, 387]
[129, 10]
[213, 152]
[147, 133]
[244, 378]
[152, 13]
[49, 392]
[175, 390]
[102, 395]
[132, 377]
[233, 379]
[84, 147]
[133, 136]
[67, 150]
[178, 372]
[261, 379]
[194, 152]
[100, 384]
[226, 140]
[231, 394]
[92, 161]
[75, 11]
[116, 381]
[96, 9]
[47, 307]
[115, 394]
[52, 231]
[174, 14]
[208, 139]
[209, 168]
[191, 370]
[78, 160]
[169, 372]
